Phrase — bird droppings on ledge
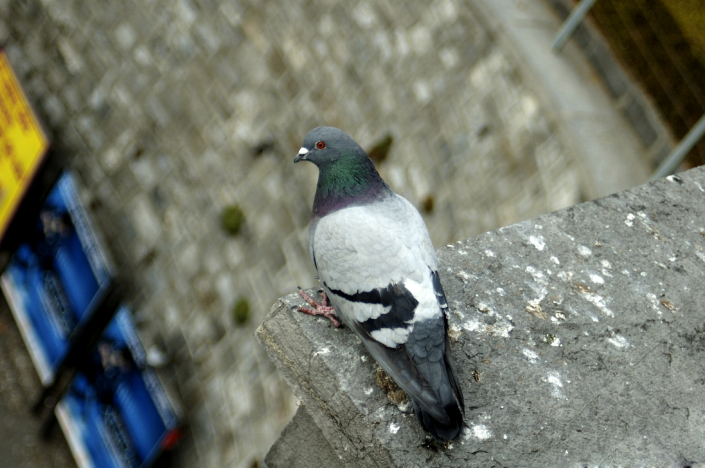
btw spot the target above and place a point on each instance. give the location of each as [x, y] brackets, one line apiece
[530, 355]
[394, 393]
[554, 380]
[619, 341]
[479, 432]
[454, 332]
[538, 241]
[584, 251]
[597, 279]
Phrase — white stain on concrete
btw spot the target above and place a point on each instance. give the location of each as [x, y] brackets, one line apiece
[530, 355]
[584, 251]
[700, 255]
[539, 288]
[489, 253]
[479, 432]
[394, 428]
[474, 325]
[454, 332]
[554, 380]
[654, 302]
[597, 279]
[463, 276]
[565, 275]
[630, 220]
[598, 301]
[555, 260]
[606, 267]
[502, 329]
[619, 341]
[539, 277]
[538, 241]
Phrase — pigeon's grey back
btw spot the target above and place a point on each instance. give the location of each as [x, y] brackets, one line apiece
[377, 264]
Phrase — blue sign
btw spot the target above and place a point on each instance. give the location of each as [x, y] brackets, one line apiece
[57, 278]
[116, 413]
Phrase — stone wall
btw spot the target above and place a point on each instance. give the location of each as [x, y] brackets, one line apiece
[577, 336]
[636, 107]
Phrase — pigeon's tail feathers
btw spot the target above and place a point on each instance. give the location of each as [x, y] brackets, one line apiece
[398, 364]
[429, 348]
[451, 399]
[452, 377]
[431, 385]
[441, 432]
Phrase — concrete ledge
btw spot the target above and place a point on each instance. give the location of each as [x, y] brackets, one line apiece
[578, 337]
[302, 445]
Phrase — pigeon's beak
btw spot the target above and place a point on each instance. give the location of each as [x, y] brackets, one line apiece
[302, 155]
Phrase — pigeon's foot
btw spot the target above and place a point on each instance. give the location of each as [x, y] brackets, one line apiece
[319, 309]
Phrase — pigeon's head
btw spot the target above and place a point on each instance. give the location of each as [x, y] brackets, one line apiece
[327, 144]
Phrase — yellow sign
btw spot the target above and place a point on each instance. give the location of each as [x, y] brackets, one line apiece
[22, 143]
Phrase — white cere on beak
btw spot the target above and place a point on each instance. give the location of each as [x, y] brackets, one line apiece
[303, 151]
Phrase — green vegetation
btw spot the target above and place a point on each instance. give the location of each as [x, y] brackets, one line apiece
[231, 219]
[380, 150]
[241, 311]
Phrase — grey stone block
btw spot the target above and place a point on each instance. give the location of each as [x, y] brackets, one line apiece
[577, 336]
[302, 445]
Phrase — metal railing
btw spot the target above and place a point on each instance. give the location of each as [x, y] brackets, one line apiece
[658, 61]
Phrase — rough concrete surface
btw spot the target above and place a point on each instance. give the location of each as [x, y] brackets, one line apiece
[578, 336]
[302, 445]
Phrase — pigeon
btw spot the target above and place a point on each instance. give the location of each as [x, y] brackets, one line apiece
[377, 267]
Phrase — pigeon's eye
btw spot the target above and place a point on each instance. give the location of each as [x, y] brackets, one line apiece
[320, 145]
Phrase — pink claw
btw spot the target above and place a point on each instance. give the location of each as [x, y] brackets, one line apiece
[319, 309]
